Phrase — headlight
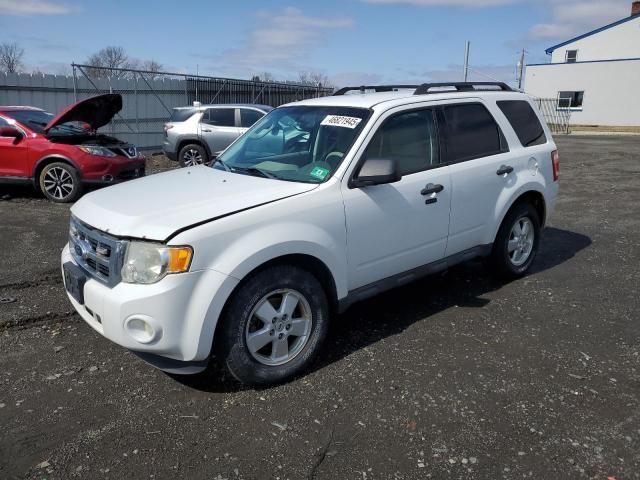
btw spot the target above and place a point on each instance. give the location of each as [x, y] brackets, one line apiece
[147, 262]
[99, 151]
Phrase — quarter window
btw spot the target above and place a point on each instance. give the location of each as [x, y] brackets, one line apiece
[570, 99]
[248, 117]
[221, 117]
[410, 139]
[572, 56]
[471, 132]
[524, 121]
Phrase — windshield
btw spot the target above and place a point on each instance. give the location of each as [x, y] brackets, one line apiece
[300, 144]
[36, 120]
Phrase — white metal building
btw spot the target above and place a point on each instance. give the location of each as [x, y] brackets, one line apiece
[596, 75]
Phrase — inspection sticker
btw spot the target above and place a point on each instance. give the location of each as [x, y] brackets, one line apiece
[341, 121]
[319, 172]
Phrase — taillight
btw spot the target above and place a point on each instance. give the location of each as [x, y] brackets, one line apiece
[555, 160]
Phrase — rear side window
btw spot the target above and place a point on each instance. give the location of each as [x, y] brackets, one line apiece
[471, 132]
[524, 121]
[221, 117]
[248, 117]
[181, 114]
[3, 122]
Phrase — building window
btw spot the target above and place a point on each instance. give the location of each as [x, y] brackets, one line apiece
[572, 56]
[571, 100]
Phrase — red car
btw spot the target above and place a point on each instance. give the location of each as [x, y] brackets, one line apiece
[61, 154]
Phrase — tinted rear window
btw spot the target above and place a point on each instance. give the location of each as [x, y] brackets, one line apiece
[524, 121]
[181, 114]
[472, 132]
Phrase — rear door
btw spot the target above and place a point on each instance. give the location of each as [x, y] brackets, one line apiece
[218, 128]
[477, 151]
[13, 154]
[249, 116]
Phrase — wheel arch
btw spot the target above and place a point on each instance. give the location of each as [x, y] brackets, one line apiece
[307, 262]
[532, 196]
[184, 141]
[49, 159]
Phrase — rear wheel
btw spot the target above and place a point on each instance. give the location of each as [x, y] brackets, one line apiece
[60, 182]
[274, 325]
[191, 155]
[517, 241]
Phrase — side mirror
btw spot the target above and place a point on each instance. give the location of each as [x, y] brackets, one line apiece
[11, 132]
[376, 171]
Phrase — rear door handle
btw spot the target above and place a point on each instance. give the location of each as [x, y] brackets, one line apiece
[504, 170]
[208, 131]
[431, 188]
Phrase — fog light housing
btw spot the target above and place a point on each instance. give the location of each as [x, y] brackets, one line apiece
[142, 328]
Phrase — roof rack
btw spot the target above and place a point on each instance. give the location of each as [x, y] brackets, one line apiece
[376, 88]
[426, 88]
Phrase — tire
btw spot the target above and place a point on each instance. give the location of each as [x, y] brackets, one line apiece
[60, 182]
[242, 321]
[192, 154]
[517, 242]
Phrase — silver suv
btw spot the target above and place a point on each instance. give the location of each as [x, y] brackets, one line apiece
[198, 133]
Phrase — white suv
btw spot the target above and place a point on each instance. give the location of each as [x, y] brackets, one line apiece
[322, 203]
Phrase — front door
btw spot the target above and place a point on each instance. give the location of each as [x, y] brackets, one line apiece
[397, 227]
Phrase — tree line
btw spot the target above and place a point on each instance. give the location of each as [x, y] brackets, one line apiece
[103, 62]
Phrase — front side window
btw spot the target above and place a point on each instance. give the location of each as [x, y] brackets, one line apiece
[524, 122]
[248, 117]
[572, 56]
[471, 132]
[220, 117]
[570, 99]
[410, 139]
[299, 144]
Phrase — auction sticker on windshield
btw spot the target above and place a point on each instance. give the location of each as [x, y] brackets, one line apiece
[341, 121]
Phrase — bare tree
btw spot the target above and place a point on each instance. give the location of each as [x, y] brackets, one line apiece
[109, 57]
[314, 78]
[11, 57]
[154, 68]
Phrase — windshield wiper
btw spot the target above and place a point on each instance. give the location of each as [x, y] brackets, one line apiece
[253, 171]
[224, 165]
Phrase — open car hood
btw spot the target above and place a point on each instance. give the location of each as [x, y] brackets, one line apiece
[95, 111]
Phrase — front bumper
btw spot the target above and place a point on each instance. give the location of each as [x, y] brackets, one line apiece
[183, 310]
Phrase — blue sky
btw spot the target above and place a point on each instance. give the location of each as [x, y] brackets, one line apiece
[351, 41]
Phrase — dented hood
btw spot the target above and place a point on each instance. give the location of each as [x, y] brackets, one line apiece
[95, 111]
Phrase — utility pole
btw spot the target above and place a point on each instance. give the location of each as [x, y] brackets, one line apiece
[521, 69]
[466, 60]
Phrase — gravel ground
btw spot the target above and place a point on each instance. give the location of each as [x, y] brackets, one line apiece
[455, 376]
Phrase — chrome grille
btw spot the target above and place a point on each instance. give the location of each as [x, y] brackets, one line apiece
[98, 253]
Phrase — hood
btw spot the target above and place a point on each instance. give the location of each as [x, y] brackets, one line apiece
[157, 206]
[96, 111]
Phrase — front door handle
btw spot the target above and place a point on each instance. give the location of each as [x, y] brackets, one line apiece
[504, 170]
[431, 188]
[207, 131]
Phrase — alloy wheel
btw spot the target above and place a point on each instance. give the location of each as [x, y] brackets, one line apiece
[58, 183]
[521, 241]
[192, 157]
[279, 327]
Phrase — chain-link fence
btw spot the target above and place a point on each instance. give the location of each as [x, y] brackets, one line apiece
[557, 118]
[148, 97]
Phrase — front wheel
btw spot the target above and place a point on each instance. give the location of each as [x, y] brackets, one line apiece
[274, 325]
[60, 182]
[517, 241]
